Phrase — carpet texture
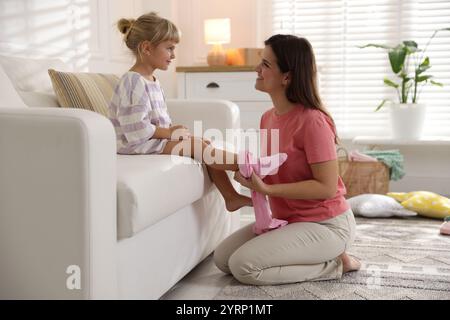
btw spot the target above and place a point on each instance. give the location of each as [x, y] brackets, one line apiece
[401, 259]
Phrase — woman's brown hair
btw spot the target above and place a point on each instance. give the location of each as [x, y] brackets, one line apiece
[295, 55]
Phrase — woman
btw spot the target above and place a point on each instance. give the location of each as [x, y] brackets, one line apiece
[307, 190]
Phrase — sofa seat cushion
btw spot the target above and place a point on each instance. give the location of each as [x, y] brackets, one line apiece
[152, 187]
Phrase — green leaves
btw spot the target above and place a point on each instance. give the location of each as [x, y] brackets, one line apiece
[400, 57]
[436, 83]
[424, 66]
[397, 57]
[381, 104]
[423, 78]
[390, 83]
[410, 46]
[375, 46]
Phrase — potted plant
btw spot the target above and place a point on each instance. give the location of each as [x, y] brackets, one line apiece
[409, 64]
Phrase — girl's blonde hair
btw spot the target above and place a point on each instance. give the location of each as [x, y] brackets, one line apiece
[150, 27]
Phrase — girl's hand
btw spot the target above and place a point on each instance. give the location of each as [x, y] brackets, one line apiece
[253, 183]
[179, 132]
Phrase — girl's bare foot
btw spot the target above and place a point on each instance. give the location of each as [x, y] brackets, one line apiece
[349, 263]
[238, 202]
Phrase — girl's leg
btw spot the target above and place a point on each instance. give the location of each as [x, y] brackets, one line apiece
[195, 148]
[233, 200]
[201, 151]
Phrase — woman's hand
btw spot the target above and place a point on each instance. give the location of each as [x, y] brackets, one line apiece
[253, 183]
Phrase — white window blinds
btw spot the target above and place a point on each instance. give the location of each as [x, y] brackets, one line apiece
[351, 79]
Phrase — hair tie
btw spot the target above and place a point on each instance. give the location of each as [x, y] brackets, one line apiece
[129, 29]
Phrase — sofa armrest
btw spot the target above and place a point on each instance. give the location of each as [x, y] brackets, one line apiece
[214, 114]
[57, 204]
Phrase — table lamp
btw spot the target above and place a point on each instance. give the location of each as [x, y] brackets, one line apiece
[217, 32]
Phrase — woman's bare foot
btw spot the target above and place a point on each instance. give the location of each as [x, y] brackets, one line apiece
[349, 263]
[238, 202]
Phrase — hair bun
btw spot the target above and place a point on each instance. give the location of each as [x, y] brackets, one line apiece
[124, 25]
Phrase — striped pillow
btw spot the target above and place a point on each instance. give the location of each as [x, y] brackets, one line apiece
[90, 91]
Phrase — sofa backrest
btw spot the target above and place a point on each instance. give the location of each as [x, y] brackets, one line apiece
[9, 96]
[30, 79]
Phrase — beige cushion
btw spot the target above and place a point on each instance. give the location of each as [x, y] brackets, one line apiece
[90, 91]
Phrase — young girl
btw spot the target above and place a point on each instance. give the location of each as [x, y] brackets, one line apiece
[139, 113]
[307, 190]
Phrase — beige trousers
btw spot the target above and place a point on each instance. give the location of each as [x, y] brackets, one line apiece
[297, 252]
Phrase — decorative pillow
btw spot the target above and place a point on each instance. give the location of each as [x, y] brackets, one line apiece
[10, 98]
[425, 203]
[39, 99]
[378, 206]
[91, 91]
[30, 74]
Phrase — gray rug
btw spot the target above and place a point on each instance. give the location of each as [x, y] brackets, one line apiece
[401, 259]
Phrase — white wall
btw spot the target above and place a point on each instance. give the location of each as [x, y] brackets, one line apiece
[250, 24]
[84, 34]
[191, 15]
[46, 28]
[81, 32]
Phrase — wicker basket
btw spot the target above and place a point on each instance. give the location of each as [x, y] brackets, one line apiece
[362, 177]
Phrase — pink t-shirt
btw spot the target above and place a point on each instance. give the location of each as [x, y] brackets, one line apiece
[307, 136]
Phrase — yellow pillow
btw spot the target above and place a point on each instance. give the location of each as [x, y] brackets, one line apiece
[425, 203]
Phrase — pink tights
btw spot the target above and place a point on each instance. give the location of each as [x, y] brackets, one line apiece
[262, 167]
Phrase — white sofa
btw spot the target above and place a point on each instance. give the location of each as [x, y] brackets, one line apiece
[78, 221]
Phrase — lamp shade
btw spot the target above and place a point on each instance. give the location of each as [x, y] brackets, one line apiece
[217, 31]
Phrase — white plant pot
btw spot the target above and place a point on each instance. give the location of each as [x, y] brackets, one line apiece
[407, 120]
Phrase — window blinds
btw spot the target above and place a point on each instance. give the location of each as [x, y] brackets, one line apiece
[351, 79]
